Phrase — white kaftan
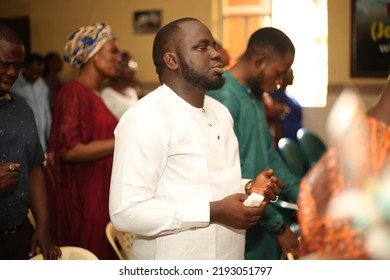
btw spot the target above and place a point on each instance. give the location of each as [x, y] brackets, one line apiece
[170, 161]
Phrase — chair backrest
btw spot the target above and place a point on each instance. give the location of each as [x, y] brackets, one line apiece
[311, 145]
[31, 218]
[292, 157]
[71, 253]
[120, 241]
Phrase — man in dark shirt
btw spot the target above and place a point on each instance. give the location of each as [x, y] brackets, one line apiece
[22, 184]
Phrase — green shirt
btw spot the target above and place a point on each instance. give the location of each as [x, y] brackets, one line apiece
[256, 154]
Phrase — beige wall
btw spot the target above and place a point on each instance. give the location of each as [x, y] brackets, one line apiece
[315, 118]
[52, 20]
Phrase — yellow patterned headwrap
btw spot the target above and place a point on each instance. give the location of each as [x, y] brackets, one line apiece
[82, 44]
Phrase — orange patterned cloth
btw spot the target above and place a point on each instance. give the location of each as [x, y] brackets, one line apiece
[321, 232]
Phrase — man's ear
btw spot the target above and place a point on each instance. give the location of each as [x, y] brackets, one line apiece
[260, 61]
[171, 60]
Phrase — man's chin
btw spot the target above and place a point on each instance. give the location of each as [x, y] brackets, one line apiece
[258, 92]
[216, 84]
[4, 89]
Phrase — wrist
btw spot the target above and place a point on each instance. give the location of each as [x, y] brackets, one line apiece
[214, 211]
[248, 187]
[281, 230]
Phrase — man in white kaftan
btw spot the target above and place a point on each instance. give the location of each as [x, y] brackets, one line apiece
[176, 179]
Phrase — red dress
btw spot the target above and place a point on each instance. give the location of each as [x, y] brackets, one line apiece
[78, 192]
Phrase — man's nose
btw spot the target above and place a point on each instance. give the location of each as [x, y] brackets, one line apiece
[12, 71]
[215, 54]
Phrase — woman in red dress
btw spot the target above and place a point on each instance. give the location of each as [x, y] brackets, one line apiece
[81, 144]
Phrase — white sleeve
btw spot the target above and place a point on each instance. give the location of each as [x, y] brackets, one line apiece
[140, 156]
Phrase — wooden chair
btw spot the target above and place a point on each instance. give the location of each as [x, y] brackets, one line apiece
[120, 241]
[30, 216]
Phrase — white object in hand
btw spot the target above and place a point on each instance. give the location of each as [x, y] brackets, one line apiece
[254, 199]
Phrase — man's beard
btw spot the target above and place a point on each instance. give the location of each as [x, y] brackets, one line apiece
[198, 80]
[256, 86]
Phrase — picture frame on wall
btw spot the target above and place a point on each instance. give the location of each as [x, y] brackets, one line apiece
[370, 44]
[147, 21]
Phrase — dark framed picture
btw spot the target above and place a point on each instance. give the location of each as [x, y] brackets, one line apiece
[370, 38]
[147, 21]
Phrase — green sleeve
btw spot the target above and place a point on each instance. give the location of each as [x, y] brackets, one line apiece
[271, 218]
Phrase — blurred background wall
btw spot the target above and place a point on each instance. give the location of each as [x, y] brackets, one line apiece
[52, 20]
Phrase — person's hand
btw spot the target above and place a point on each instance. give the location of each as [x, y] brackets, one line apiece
[286, 111]
[267, 185]
[41, 238]
[288, 242]
[231, 211]
[9, 175]
[274, 109]
[280, 110]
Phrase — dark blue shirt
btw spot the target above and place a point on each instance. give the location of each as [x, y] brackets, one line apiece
[19, 143]
[293, 121]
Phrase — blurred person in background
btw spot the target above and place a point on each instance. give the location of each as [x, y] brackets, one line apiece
[81, 143]
[344, 199]
[290, 121]
[225, 57]
[32, 88]
[53, 67]
[119, 95]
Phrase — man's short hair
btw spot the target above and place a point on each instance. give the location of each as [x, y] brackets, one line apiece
[33, 58]
[270, 42]
[10, 35]
[162, 39]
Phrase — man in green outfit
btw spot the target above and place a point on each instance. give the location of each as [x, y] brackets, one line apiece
[269, 55]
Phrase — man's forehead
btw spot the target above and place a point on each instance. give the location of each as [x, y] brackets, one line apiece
[193, 26]
[195, 31]
[283, 62]
[8, 47]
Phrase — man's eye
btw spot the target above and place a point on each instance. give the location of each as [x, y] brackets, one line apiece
[4, 64]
